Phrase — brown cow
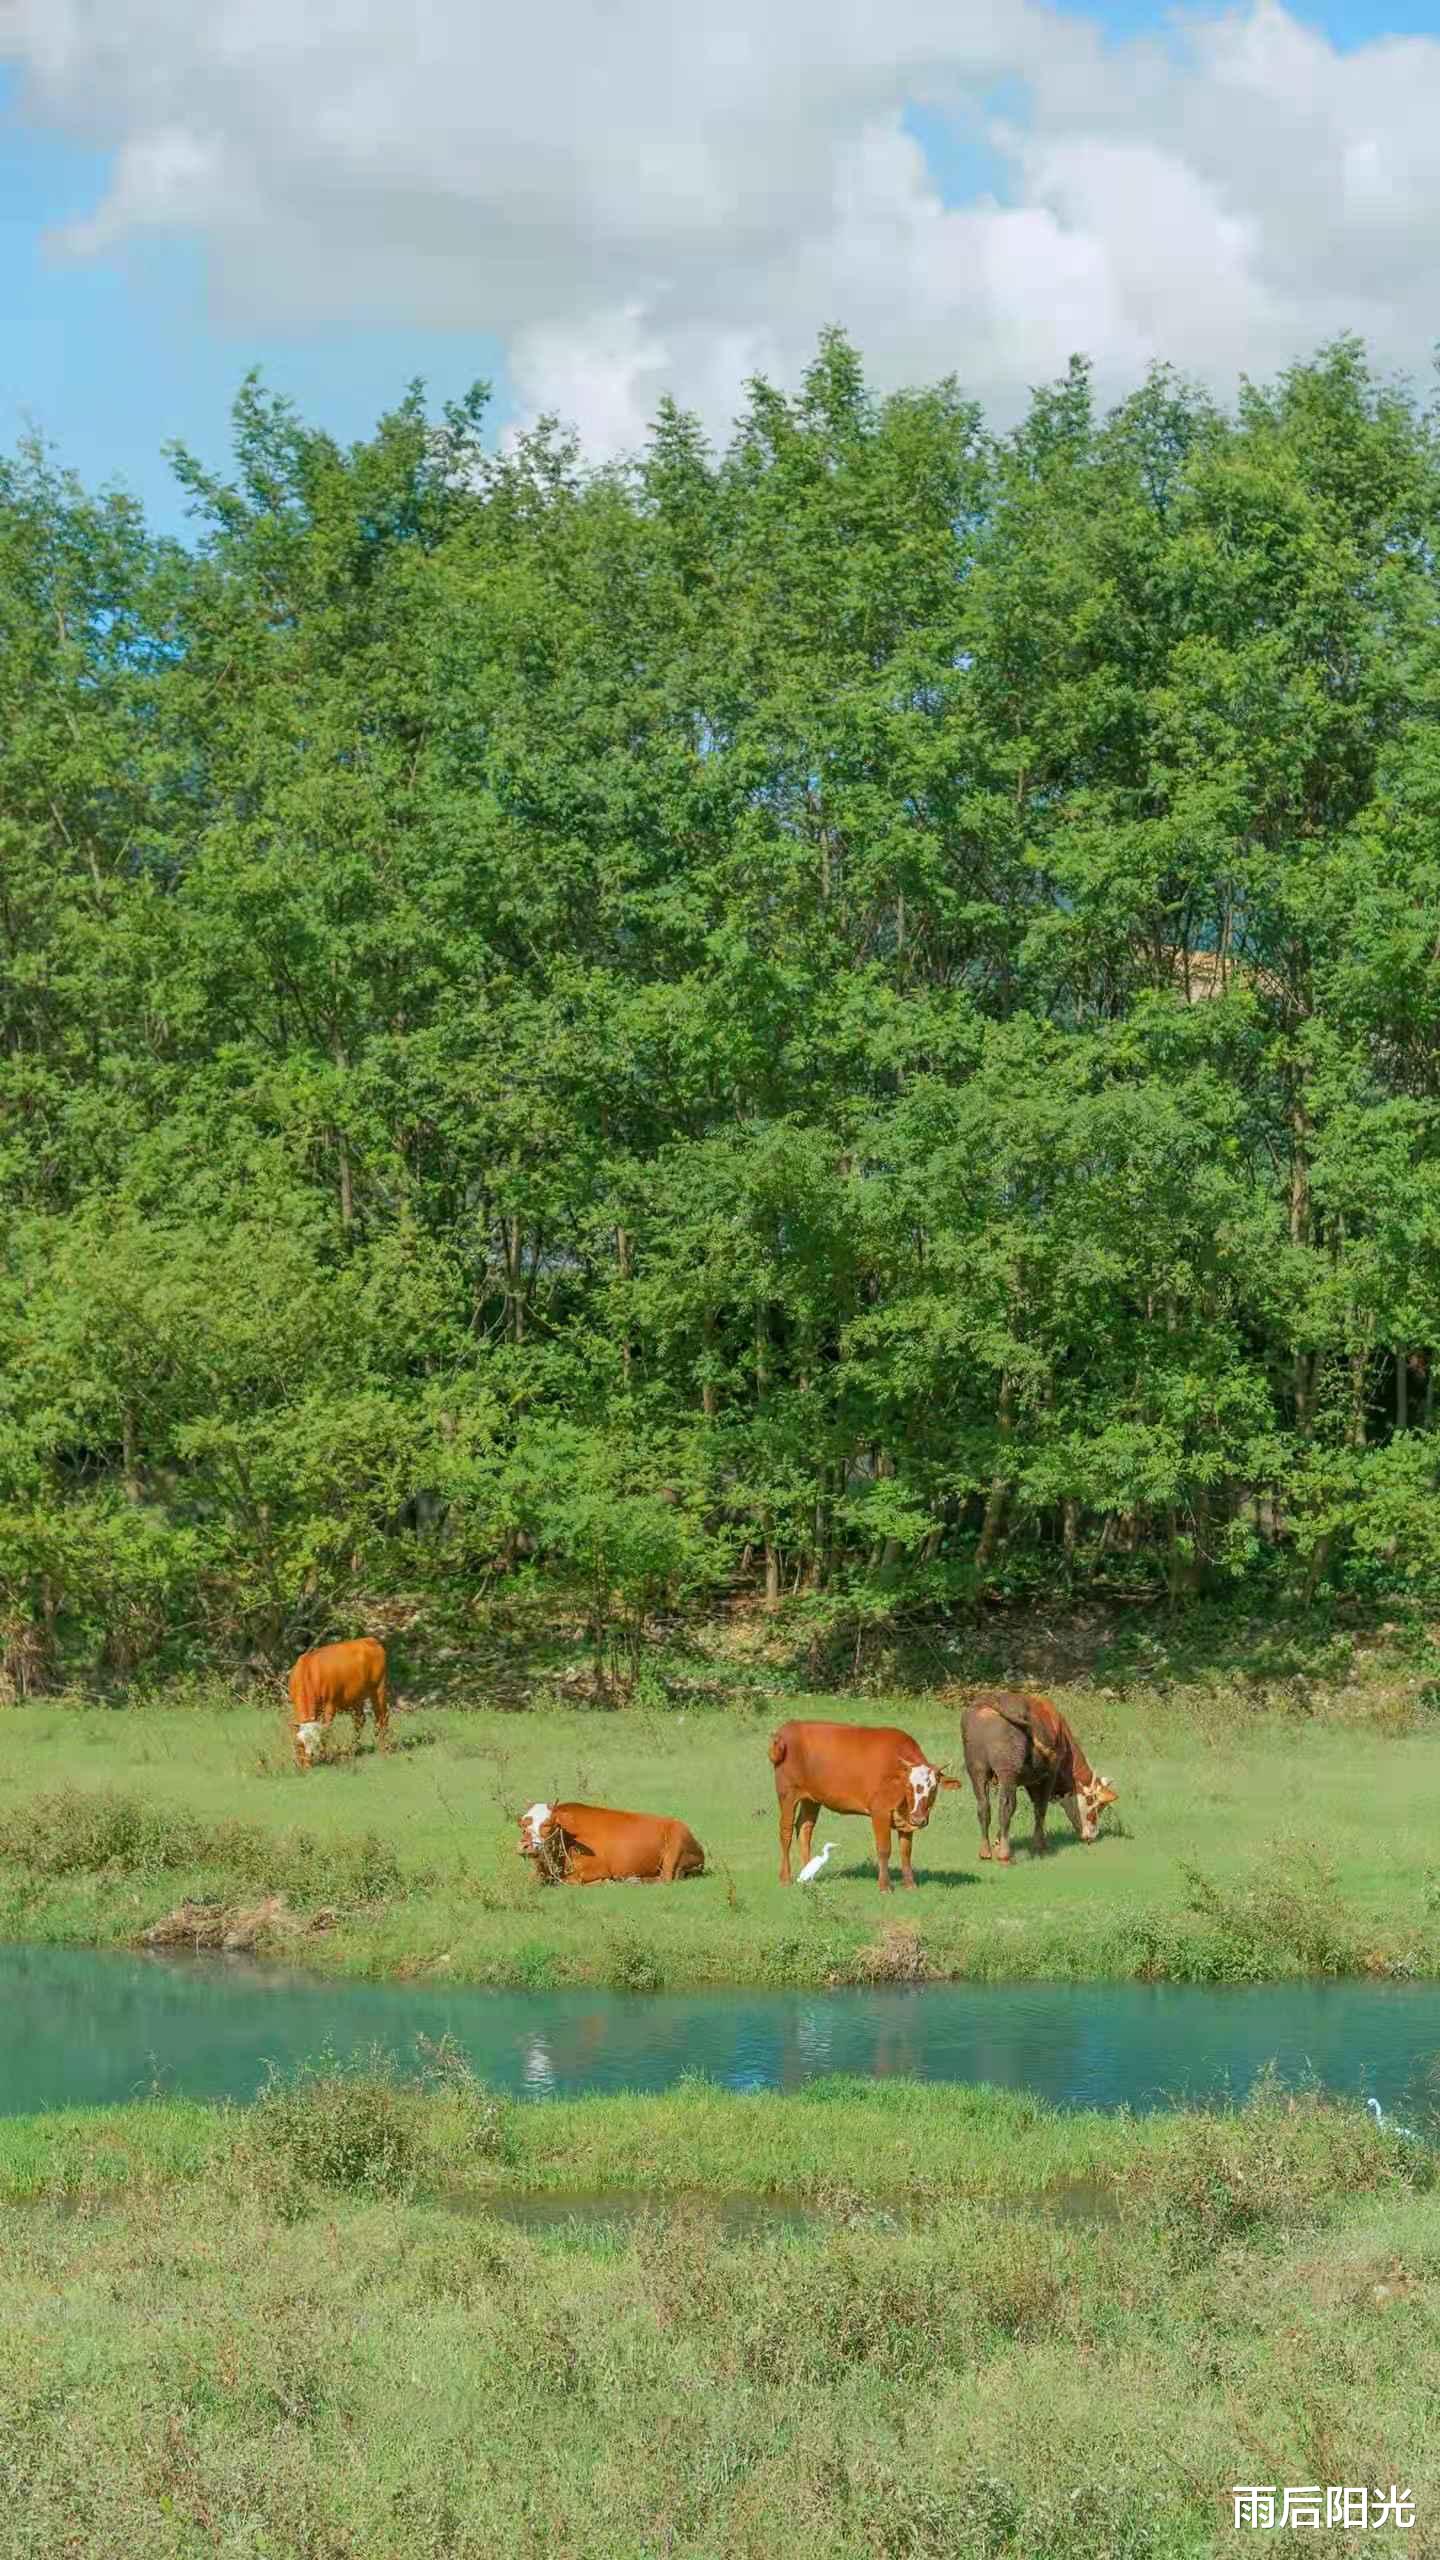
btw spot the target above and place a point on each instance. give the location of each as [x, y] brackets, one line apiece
[854, 1768]
[338, 1679]
[590, 1844]
[1013, 1739]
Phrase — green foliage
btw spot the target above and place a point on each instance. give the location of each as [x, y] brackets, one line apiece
[79, 1831]
[852, 1016]
[332, 2126]
[343, 2365]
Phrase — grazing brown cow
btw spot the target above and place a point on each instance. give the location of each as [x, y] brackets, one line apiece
[1013, 1739]
[588, 1844]
[335, 1680]
[854, 1768]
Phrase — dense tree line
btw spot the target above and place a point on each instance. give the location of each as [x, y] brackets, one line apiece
[860, 1013]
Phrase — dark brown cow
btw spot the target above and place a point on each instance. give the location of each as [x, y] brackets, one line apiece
[590, 1844]
[854, 1768]
[334, 1680]
[1015, 1738]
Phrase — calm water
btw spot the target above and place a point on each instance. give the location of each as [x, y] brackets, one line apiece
[83, 2029]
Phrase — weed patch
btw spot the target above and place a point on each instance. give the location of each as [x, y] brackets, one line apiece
[104, 1832]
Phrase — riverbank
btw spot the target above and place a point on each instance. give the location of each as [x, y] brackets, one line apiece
[1244, 1847]
[309, 2327]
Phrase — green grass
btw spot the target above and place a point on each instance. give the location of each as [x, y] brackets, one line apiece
[230, 2331]
[1246, 1844]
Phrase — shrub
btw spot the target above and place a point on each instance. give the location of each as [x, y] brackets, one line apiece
[94, 1831]
[347, 2127]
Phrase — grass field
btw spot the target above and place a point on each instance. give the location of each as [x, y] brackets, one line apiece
[210, 2349]
[1244, 1845]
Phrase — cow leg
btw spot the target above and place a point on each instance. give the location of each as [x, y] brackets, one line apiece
[1040, 1799]
[982, 1811]
[807, 1814]
[881, 1822]
[907, 1872]
[787, 1827]
[382, 1713]
[676, 1859]
[1005, 1811]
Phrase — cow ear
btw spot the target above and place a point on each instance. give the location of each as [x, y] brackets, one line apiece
[949, 1782]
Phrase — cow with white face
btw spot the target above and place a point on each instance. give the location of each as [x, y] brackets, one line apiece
[854, 1768]
[596, 1844]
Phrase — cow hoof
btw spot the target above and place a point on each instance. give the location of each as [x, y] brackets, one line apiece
[1002, 1857]
[985, 1852]
[911, 1883]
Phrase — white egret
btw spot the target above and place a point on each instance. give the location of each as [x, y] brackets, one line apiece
[1381, 2125]
[812, 1866]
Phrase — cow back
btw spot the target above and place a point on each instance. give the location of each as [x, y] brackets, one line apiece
[337, 1674]
[842, 1766]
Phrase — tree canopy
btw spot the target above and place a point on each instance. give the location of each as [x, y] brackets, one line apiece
[859, 1012]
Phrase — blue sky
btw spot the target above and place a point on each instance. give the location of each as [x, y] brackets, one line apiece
[113, 357]
[112, 354]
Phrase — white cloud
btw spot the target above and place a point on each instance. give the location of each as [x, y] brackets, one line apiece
[642, 197]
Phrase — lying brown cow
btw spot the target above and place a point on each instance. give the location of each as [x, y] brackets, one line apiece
[588, 1844]
[854, 1768]
[1014, 1739]
[334, 1680]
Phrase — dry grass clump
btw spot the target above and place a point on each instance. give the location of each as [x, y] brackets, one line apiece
[897, 1955]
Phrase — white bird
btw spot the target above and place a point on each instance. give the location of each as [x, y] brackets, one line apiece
[812, 1866]
[1381, 2126]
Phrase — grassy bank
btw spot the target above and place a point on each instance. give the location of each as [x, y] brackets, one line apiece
[308, 2329]
[1245, 1845]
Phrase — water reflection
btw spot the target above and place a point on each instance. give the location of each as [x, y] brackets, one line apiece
[87, 2029]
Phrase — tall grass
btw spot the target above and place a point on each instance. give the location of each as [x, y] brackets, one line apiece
[106, 1832]
[195, 2365]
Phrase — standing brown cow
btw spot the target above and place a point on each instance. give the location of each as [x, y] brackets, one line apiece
[338, 1679]
[591, 1844]
[1014, 1739]
[854, 1768]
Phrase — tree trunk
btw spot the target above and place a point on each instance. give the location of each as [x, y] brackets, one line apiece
[1402, 1390]
[767, 1525]
[709, 1392]
[1304, 1366]
[342, 1144]
[624, 1262]
[1357, 1396]
[515, 1277]
[999, 1497]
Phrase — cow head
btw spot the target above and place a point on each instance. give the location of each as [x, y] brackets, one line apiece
[542, 1841]
[1087, 1804]
[921, 1786]
[308, 1738]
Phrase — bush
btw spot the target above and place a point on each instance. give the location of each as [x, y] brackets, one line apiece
[95, 1831]
[350, 2128]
